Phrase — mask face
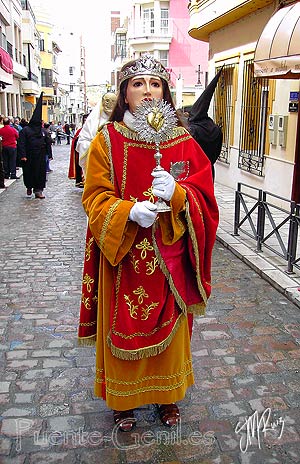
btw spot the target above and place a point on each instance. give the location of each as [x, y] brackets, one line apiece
[141, 88]
[108, 103]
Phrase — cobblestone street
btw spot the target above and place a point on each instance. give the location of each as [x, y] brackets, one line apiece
[243, 408]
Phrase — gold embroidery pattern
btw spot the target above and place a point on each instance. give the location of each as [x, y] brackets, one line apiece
[145, 246]
[140, 291]
[86, 302]
[134, 262]
[132, 308]
[151, 266]
[146, 311]
[107, 220]
[148, 193]
[88, 249]
[87, 280]
[133, 199]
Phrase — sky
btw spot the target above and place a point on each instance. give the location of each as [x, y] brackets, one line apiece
[92, 19]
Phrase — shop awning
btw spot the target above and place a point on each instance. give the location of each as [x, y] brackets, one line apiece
[277, 53]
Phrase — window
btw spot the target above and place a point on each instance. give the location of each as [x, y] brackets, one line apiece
[71, 87]
[164, 21]
[121, 45]
[46, 77]
[42, 45]
[71, 70]
[254, 113]
[148, 21]
[163, 57]
[223, 107]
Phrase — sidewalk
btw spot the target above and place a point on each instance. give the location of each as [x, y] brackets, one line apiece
[268, 265]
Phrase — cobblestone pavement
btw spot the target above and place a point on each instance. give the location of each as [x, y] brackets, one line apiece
[246, 355]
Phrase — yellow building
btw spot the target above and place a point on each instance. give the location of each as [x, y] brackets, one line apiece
[48, 53]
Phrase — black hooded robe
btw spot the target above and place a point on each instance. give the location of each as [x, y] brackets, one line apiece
[32, 145]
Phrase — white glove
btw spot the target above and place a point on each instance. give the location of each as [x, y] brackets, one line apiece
[163, 184]
[144, 213]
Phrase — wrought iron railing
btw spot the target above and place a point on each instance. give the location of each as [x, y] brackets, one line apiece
[272, 221]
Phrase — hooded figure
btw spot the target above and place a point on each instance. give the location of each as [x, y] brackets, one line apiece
[204, 130]
[33, 146]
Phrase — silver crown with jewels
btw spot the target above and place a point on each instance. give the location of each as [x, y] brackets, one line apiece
[146, 65]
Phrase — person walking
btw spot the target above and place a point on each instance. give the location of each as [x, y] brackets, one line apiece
[33, 146]
[9, 149]
[75, 170]
[67, 131]
[151, 272]
[2, 184]
[49, 155]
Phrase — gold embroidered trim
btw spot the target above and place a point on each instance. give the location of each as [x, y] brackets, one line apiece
[108, 144]
[145, 389]
[146, 352]
[187, 366]
[107, 220]
[195, 245]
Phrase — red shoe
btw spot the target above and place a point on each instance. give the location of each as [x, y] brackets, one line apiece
[125, 420]
[29, 191]
[169, 414]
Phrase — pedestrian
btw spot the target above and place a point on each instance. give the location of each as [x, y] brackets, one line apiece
[9, 149]
[202, 127]
[33, 145]
[59, 133]
[49, 155]
[67, 131]
[97, 117]
[2, 184]
[75, 170]
[152, 270]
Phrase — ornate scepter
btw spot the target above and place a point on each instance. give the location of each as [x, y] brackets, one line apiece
[154, 122]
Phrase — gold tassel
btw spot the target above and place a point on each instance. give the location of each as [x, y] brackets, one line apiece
[132, 355]
[87, 341]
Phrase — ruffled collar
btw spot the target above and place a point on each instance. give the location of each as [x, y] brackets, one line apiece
[129, 119]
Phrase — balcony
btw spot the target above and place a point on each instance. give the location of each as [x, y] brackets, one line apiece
[207, 16]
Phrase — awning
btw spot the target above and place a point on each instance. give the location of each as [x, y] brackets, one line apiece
[277, 53]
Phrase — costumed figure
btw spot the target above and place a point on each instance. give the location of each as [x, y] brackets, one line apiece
[75, 170]
[33, 146]
[145, 273]
[204, 130]
[98, 116]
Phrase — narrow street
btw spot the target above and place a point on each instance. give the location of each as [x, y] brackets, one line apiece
[246, 354]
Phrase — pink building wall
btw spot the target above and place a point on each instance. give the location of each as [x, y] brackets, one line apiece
[185, 53]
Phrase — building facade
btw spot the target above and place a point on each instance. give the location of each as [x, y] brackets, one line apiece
[259, 124]
[160, 28]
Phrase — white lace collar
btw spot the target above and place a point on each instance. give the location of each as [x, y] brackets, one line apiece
[129, 119]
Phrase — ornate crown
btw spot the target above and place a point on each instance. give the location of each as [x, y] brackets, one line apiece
[146, 64]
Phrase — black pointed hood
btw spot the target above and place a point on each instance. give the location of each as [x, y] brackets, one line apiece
[36, 118]
[199, 110]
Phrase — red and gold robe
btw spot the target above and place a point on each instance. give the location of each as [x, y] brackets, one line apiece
[140, 284]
